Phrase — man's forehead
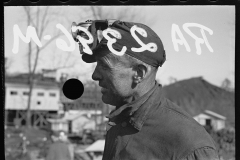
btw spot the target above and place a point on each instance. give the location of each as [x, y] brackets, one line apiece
[103, 51]
[104, 58]
[111, 61]
[101, 59]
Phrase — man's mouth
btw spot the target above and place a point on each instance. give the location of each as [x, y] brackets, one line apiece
[103, 90]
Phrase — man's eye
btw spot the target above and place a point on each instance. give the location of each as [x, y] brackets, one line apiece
[104, 67]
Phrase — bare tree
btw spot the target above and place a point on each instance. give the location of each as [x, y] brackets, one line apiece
[7, 65]
[61, 61]
[120, 13]
[226, 84]
[172, 80]
[158, 80]
[40, 18]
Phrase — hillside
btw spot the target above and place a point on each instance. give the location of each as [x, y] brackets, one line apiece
[196, 94]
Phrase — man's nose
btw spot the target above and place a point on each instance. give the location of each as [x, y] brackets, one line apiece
[96, 76]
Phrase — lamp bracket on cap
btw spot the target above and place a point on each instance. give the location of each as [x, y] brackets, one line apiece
[111, 21]
[83, 30]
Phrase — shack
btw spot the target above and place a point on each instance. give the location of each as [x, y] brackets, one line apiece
[210, 118]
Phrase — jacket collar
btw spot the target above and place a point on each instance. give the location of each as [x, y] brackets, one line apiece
[136, 112]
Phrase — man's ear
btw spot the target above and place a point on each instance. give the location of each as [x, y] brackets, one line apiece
[140, 73]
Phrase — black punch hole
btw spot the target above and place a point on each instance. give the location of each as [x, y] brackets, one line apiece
[94, 1]
[123, 1]
[64, 1]
[73, 89]
[6, 1]
[153, 1]
[34, 1]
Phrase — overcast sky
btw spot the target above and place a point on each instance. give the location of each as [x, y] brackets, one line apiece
[212, 66]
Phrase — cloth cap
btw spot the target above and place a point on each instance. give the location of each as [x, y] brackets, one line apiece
[155, 59]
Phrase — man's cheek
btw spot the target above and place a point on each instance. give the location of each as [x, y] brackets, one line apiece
[123, 76]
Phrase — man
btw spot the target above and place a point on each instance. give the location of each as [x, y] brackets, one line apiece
[58, 150]
[144, 125]
[64, 138]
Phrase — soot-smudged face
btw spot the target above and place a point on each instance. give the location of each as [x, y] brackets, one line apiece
[115, 80]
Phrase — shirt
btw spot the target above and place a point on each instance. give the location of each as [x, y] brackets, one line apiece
[154, 128]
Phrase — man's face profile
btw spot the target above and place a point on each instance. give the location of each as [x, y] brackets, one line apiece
[114, 78]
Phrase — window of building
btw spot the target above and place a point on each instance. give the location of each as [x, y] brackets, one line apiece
[40, 94]
[52, 94]
[13, 92]
[60, 126]
[208, 122]
[25, 93]
[38, 102]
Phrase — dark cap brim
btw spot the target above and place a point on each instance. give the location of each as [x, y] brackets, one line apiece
[100, 51]
[88, 58]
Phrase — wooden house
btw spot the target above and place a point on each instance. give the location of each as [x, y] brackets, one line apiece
[210, 118]
[44, 101]
[73, 123]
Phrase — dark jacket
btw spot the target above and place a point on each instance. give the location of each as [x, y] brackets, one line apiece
[58, 151]
[154, 128]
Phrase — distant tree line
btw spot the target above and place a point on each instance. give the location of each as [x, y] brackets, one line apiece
[225, 141]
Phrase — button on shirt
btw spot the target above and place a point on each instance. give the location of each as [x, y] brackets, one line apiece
[154, 128]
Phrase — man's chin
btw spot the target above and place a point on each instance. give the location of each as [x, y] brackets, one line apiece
[107, 99]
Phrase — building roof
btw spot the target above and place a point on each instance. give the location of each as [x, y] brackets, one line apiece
[97, 146]
[39, 81]
[202, 115]
[51, 120]
[69, 116]
[72, 116]
[211, 113]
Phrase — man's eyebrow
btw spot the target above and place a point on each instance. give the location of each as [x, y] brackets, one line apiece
[101, 61]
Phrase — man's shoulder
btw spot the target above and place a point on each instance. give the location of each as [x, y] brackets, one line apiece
[177, 110]
[169, 110]
[177, 125]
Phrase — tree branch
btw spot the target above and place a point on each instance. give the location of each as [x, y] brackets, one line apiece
[44, 17]
[46, 44]
[95, 15]
[44, 23]
[29, 17]
[37, 21]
